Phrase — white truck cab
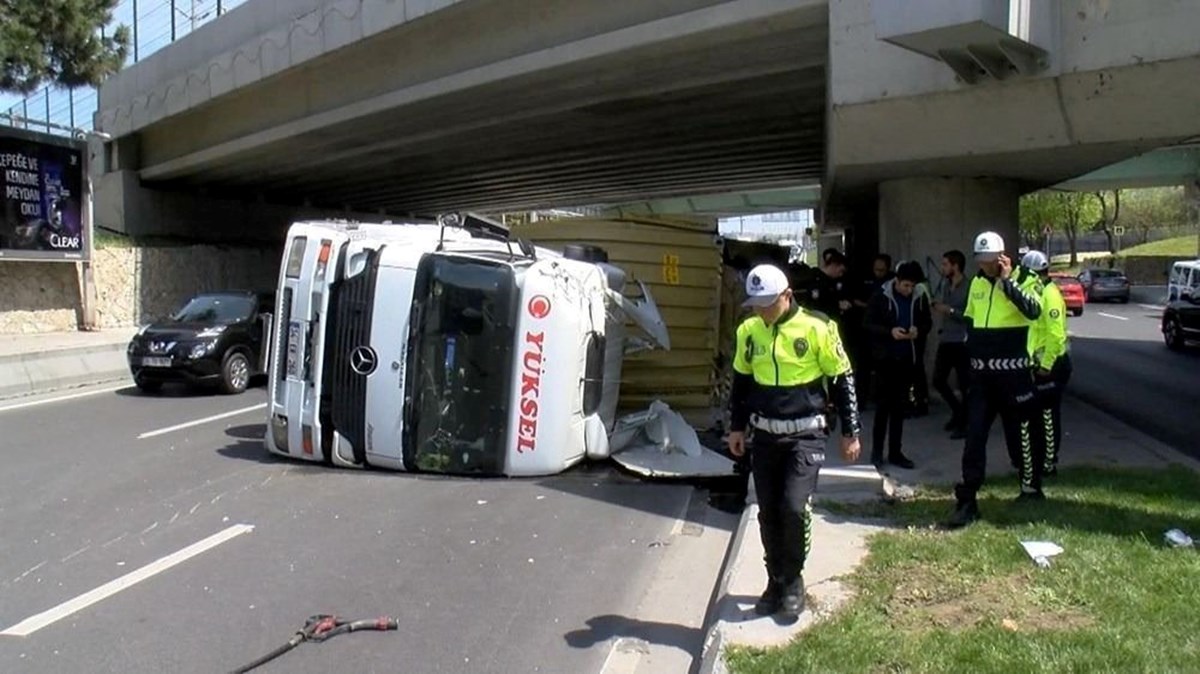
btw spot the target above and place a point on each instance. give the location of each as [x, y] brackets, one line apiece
[446, 347]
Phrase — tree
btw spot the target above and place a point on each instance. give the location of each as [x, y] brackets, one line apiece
[60, 42]
[1061, 211]
[1108, 220]
[1155, 208]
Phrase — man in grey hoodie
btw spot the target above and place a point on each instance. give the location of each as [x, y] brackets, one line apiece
[952, 341]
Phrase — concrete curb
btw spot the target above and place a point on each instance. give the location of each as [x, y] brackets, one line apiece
[712, 658]
[45, 371]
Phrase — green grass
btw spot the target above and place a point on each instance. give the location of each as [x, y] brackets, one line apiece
[1183, 246]
[1117, 600]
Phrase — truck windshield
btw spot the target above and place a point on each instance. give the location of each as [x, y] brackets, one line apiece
[459, 366]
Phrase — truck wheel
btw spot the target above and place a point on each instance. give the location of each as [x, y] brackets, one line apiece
[235, 373]
[585, 252]
[1077, 312]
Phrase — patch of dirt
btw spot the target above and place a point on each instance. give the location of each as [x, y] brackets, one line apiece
[932, 601]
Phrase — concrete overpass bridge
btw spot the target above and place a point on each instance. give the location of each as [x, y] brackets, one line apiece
[920, 120]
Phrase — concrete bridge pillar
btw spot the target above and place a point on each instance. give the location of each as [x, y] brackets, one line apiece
[922, 218]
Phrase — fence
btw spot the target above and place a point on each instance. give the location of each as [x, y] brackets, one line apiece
[154, 24]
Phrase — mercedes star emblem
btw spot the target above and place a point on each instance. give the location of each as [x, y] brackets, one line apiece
[363, 360]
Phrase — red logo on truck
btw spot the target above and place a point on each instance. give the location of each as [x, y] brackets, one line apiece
[539, 306]
[531, 382]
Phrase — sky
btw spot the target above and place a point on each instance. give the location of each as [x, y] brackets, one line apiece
[153, 32]
[788, 225]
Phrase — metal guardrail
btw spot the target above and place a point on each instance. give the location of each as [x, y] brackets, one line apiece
[155, 24]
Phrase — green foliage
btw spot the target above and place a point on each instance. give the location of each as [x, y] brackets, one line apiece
[1117, 600]
[1062, 211]
[1180, 246]
[58, 42]
[1154, 208]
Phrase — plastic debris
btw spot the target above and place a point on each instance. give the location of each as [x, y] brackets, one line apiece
[1041, 552]
[1178, 539]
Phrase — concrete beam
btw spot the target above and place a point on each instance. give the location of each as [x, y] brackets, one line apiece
[724, 204]
[690, 25]
[1165, 167]
[252, 42]
[123, 205]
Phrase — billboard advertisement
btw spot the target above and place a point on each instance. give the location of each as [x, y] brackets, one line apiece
[42, 192]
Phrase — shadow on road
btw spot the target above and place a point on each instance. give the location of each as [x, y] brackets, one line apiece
[250, 450]
[183, 390]
[247, 432]
[612, 627]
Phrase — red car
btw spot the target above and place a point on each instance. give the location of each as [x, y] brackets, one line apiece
[1072, 292]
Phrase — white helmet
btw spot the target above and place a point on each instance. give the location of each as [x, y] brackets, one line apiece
[1035, 260]
[988, 246]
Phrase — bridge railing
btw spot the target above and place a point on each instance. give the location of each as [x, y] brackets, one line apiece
[154, 24]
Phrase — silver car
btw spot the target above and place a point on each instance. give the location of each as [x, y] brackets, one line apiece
[1104, 284]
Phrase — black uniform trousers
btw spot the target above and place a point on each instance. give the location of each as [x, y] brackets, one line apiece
[1009, 394]
[920, 380]
[1047, 426]
[952, 358]
[895, 381]
[785, 472]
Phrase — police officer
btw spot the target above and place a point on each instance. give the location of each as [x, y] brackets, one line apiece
[1050, 352]
[788, 363]
[1001, 306]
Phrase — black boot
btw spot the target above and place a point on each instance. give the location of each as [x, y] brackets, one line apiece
[792, 604]
[1032, 495]
[771, 598]
[897, 458]
[965, 512]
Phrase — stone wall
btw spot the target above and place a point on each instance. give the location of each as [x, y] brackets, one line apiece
[132, 284]
[1143, 269]
[38, 296]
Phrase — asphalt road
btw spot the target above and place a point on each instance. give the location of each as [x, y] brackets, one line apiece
[1122, 366]
[484, 575]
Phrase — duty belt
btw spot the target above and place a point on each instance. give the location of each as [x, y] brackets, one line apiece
[789, 426]
[1000, 364]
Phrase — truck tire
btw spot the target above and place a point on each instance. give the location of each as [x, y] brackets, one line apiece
[585, 252]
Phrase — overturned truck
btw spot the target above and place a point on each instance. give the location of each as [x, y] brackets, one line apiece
[448, 347]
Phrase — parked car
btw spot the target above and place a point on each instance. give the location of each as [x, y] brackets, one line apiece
[1104, 284]
[1181, 318]
[213, 339]
[1072, 292]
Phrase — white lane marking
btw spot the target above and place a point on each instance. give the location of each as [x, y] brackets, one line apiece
[34, 623]
[22, 576]
[1152, 307]
[197, 422]
[59, 399]
[1119, 318]
[75, 554]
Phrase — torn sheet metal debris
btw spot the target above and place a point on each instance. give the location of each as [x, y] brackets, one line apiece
[1041, 551]
[660, 443]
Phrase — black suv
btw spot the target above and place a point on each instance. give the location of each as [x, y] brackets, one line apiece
[214, 338]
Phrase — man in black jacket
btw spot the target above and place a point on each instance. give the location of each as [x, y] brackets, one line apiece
[897, 317]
